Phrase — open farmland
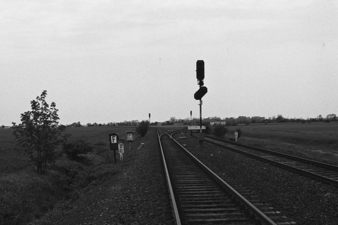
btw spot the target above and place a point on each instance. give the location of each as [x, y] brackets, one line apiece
[312, 140]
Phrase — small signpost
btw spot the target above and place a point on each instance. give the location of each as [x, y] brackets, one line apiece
[113, 142]
[121, 150]
[130, 138]
[236, 135]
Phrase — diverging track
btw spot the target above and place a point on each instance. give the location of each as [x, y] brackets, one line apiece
[199, 196]
[315, 170]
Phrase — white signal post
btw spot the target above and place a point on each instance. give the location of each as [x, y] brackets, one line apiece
[236, 136]
[121, 150]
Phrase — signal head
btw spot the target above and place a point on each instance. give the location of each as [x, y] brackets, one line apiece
[200, 69]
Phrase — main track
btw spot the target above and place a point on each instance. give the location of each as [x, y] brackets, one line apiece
[199, 196]
[313, 169]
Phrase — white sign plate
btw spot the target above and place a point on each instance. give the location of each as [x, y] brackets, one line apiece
[113, 139]
[195, 127]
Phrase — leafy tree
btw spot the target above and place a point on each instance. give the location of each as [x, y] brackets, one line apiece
[39, 132]
[279, 119]
[142, 128]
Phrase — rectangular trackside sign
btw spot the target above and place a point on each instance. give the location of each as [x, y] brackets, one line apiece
[130, 136]
[113, 141]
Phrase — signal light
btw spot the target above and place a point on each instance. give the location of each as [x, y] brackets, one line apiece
[200, 70]
[200, 93]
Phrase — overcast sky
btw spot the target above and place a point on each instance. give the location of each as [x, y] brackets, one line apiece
[110, 61]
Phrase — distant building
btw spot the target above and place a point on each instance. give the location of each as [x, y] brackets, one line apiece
[222, 122]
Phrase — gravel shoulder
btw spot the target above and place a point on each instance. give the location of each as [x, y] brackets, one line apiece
[137, 194]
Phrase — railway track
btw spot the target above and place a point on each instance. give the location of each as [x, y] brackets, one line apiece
[315, 170]
[199, 196]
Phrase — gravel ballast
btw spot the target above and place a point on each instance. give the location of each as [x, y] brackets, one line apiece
[299, 198]
[136, 195]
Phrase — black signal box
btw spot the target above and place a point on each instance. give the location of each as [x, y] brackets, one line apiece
[200, 93]
[200, 70]
[113, 141]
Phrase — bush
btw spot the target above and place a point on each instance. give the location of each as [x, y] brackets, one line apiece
[76, 147]
[142, 128]
[219, 130]
[64, 172]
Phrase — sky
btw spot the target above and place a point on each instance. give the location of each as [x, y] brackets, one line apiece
[109, 61]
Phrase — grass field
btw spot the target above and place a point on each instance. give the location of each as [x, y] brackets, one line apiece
[314, 140]
[25, 196]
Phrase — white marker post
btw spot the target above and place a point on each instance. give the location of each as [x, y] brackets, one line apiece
[121, 150]
[236, 136]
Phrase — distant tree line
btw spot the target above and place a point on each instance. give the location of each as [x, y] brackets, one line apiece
[244, 120]
[230, 121]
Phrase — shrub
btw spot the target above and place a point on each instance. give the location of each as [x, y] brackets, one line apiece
[219, 130]
[142, 128]
[64, 171]
[76, 147]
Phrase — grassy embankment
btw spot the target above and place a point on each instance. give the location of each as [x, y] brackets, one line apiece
[25, 196]
[312, 140]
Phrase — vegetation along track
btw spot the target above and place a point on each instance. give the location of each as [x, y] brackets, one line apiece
[315, 170]
[199, 196]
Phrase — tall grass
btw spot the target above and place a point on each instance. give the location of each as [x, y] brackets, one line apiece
[24, 196]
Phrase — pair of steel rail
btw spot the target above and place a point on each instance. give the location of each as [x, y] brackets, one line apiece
[323, 172]
[258, 215]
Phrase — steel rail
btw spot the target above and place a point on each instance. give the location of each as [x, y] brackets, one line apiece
[281, 165]
[259, 215]
[171, 192]
[300, 159]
